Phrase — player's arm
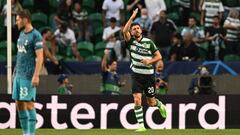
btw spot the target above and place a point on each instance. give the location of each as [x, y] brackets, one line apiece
[104, 61]
[75, 51]
[157, 56]
[49, 55]
[125, 31]
[38, 66]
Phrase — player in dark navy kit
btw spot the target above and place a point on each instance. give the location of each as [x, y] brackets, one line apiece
[28, 66]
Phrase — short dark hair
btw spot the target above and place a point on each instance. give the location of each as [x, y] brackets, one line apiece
[134, 24]
[113, 19]
[192, 17]
[64, 26]
[45, 30]
[25, 14]
[216, 16]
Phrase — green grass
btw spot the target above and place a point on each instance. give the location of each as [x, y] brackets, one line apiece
[124, 132]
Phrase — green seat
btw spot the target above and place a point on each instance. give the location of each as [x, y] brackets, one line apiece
[53, 5]
[39, 20]
[96, 20]
[3, 58]
[99, 49]
[231, 57]
[97, 34]
[174, 16]
[85, 48]
[3, 48]
[1, 20]
[2, 3]
[202, 53]
[3, 33]
[89, 6]
[93, 58]
[28, 4]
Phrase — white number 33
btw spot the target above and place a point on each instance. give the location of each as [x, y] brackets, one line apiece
[23, 91]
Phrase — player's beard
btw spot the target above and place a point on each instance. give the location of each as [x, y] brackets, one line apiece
[137, 35]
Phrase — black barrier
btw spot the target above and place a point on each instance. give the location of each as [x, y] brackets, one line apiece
[84, 112]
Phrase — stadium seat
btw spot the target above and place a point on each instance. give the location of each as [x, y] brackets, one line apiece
[53, 5]
[96, 20]
[174, 16]
[28, 4]
[97, 34]
[39, 20]
[89, 6]
[3, 58]
[93, 58]
[231, 3]
[85, 48]
[3, 48]
[1, 20]
[231, 57]
[99, 49]
[2, 3]
[2, 33]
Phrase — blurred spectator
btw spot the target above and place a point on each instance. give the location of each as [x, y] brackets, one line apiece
[133, 4]
[188, 50]
[162, 32]
[186, 7]
[211, 8]
[112, 8]
[232, 24]
[154, 7]
[174, 52]
[80, 20]
[228, 5]
[202, 84]
[65, 37]
[65, 87]
[110, 79]
[198, 33]
[16, 8]
[215, 36]
[144, 21]
[161, 79]
[110, 36]
[64, 13]
[47, 37]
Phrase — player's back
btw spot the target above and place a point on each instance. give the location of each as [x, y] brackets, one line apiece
[27, 43]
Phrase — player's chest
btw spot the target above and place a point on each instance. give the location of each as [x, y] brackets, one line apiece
[24, 44]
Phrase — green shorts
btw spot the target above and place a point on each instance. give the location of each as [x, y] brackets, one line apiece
[23, 90]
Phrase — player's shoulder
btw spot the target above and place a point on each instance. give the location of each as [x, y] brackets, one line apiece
[145, 39]
[36, 32]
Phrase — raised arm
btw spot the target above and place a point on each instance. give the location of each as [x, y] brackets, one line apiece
[125, 31]
[104, 61]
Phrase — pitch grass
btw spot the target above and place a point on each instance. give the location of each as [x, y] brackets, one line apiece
[124, 132]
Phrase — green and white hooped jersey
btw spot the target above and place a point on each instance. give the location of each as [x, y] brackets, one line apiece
[144, 49]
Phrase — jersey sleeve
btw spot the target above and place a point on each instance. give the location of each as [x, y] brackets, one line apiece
[153, 47]
[38, 44]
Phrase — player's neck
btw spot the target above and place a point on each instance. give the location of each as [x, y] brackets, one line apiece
[139, 38]
[28, 28]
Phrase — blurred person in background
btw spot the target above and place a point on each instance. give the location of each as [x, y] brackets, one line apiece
[111, 37]
[188, 50]
[161, 79]
[47, 37]
[133, 4]
[65, 87]
[202, 84]
[145, 22]
[112, 9]
[154, 7]
[16, 8]
[80, 22]
[162, 32]
[110, 79]
[232, 25]
[198, 33]
[215, 35]
[174, 52]
[211, 8]
[64, 13]
[65, 37]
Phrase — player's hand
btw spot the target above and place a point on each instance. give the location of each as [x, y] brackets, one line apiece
[35, 81]
[134, 14]
[146, 61]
